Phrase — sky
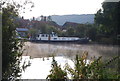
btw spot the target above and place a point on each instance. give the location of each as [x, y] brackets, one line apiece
[62, 7]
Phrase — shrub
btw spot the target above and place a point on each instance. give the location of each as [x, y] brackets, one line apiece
[86, 69]
[56, 72]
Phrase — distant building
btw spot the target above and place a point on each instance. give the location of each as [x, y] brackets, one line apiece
[23, 32]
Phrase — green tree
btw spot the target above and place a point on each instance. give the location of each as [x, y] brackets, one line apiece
[51, 29]
[56, 72]
[42, 27]
[91, 32]
[81, 30]
[107, 20]
[95, 68]
[70, 31]
[33, 32]
[11, 47]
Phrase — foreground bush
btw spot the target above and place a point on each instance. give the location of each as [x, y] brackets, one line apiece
[95, 68]
[56, 72]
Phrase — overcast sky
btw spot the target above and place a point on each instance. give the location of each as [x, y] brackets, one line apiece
[63, 7]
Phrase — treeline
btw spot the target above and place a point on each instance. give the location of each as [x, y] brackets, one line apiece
[78, 30]
[44, 27]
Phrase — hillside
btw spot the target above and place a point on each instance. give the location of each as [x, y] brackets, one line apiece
[84, 18]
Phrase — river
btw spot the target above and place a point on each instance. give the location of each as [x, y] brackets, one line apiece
[38, 53]
[66, 49]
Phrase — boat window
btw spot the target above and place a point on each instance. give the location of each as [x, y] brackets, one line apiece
[42, 35]
[38, 35]
[46, 35]
[55, 38]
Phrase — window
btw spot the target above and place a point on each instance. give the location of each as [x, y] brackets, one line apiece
[42, 35]
[55, 38]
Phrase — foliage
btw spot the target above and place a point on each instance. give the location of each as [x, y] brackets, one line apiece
[43, 27]
[82, 70]
[56, 72]
[78, 31]
[91, 32]
[70, 31]
[94, 68]
[11, 47]
[106, 28]
[79, 71]
[107, 20]
[33, 32]
[52, 29]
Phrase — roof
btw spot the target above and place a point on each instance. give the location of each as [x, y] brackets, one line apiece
[21, 29]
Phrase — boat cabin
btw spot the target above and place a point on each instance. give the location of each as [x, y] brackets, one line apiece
[46, 37]
[54, 37]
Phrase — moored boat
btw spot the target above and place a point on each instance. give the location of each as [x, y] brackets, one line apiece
[54, 38]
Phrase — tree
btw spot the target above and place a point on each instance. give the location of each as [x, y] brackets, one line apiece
[81, 30]
[91, 32]
[70, 31]
[94, 68]
[10, 45]
[56, 72]
[33, 32]
[108, 19]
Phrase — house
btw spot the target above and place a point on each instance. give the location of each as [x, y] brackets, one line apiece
[23, 32]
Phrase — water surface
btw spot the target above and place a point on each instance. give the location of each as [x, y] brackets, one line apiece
[38, 50]
[39, 68]
[63, 53]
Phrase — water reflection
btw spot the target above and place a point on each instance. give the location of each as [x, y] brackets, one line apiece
[41, 54]
[39, 69]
